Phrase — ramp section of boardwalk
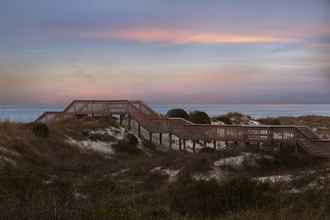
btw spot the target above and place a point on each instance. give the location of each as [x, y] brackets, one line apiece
[184, 130]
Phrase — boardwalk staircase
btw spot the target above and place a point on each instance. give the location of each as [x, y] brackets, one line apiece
[184, 130]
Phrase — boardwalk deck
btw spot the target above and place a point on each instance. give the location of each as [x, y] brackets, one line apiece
[186, 130]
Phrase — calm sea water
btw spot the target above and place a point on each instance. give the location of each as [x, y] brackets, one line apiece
[29, 113]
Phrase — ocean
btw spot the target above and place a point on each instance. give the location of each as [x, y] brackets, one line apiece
[26, 113]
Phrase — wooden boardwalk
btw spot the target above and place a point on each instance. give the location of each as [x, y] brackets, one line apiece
[185, 130]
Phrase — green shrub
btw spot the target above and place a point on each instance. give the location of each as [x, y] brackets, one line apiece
[207, 198]
[127, 145]
[200, 117]
[242, 193]
[154, 180]
[130, 139]
[100, 188]
[206, 150]
[270, 121]
[40, 130]
[286, 157]
[233, 118]
[109, 120]
[224, 119]
[198, 164]
[235, 115]
[149, 145]
[196, 198]
[177, 113]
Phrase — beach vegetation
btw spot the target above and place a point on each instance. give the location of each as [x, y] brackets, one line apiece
[177, 113]
[270, 121]
[128, 145]
[40, 130]
[53, 179]
[199, 117]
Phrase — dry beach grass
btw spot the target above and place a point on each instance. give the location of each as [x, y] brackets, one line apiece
[53, 179]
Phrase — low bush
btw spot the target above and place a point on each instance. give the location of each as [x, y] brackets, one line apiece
[109, 120]
[234, 115]
[207, 198]
[270, 121]
[223, 119]
[99, 188]
[130, 139]
[40, 130]
[207, 150]
[202, 163]
[127, 145]
[154, 180]
[232, 118]
[199, 117]
[287, 156]
[24, 195]
[148, 145]
[177, 113]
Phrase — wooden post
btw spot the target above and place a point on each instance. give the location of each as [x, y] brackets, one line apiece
[160, 138]
[121, 118]
[246, 139]
[271, 136]
[296, 146]
[194, 146]
[150, 136]
[93, 110]
[180, 144]
[205, 143]
[215, 144]
[129, 122]
[90, 107]
[139, 130]
[170, 140]
[184, 144]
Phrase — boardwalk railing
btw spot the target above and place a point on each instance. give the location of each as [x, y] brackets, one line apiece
[186, 130]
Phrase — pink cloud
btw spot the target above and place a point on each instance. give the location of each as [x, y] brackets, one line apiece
[154, 35]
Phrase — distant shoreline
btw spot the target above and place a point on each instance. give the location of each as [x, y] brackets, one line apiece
[21, 113]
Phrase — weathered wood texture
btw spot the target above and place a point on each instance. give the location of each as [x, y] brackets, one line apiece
[186, 130]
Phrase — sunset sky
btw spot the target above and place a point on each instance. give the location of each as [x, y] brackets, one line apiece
[165, 51]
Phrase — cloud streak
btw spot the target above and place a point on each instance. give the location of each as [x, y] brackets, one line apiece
[154, 35]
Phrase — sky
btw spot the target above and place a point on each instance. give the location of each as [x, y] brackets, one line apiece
[165, 51]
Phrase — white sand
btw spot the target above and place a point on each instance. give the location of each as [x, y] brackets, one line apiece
[98, 146]
[275, 179]
[172, 174]
[117, 133]
[6, 160]
[10, 152]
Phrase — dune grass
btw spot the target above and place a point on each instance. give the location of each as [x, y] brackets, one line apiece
[34, 194]
[54, 180]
